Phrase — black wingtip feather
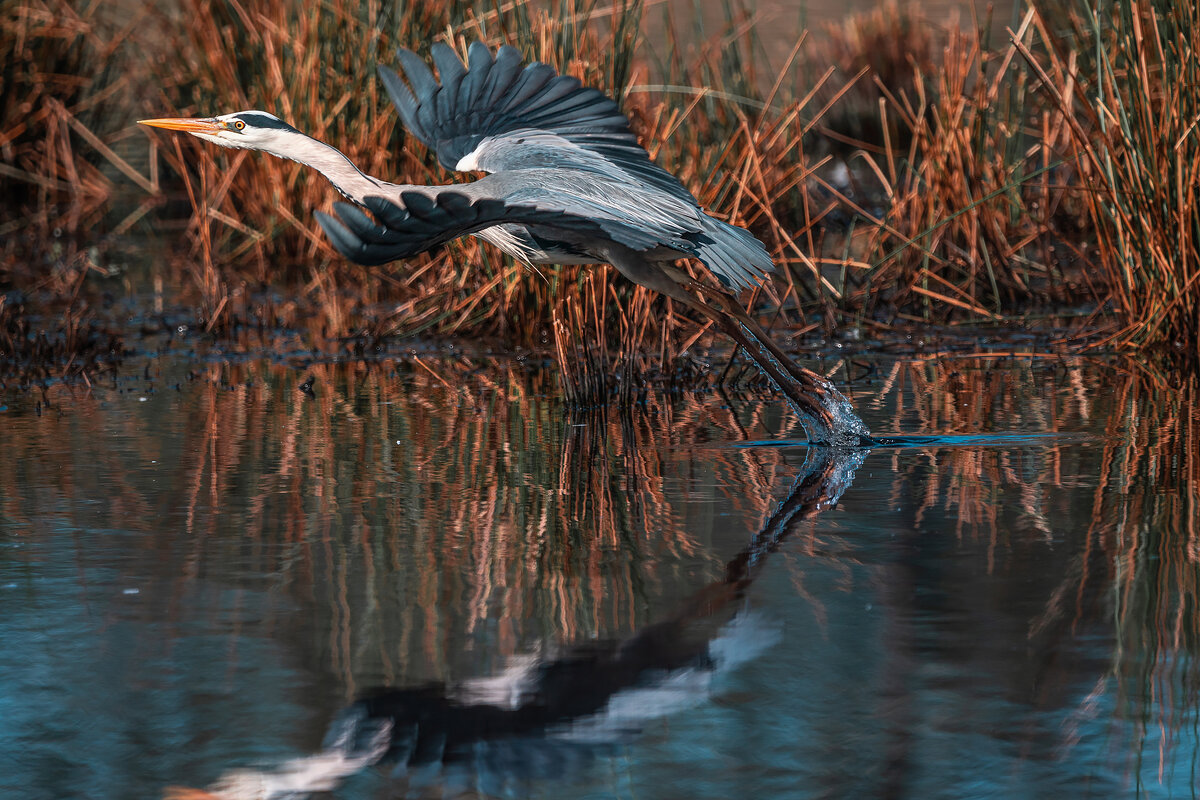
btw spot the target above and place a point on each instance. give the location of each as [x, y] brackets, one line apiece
[402, 97]
[479, 69]
[504, 72]
[342, 240]
[490, 97]
[417, 73]
[388, 212]
[418, 205]
[449, 65]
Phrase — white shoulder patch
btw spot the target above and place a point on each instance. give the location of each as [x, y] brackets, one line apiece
[470, 162]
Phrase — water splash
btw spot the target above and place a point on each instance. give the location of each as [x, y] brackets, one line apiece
[848, 431]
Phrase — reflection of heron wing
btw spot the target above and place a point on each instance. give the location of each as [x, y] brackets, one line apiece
[491, 115]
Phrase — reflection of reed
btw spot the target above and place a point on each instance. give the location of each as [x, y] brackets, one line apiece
[979, 396]
[1136, 569]
[1144, 550]
[422, 512]
[397, 495]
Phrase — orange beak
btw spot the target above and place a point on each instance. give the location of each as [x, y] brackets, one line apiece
[210, 126]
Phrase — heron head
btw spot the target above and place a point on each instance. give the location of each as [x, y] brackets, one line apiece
[251, 130]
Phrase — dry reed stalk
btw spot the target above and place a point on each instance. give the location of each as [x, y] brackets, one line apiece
[1133, 103]
[962, 223]
[62, 105]
[894, 45]
[963, 231]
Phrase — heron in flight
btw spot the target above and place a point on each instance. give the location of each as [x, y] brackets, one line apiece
[568, 184]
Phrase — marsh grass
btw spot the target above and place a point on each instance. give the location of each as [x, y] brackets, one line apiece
[64, 174]
[897, 171]
[1127, 78]
[962, 229]
[64, 112]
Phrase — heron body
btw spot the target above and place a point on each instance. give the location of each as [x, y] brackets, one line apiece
[568, 183]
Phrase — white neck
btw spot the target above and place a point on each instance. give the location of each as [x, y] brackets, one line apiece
[331, 163]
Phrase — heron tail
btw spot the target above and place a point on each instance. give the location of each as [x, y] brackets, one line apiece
[733, 254]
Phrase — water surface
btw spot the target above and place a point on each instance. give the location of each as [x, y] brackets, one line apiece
[205, 569]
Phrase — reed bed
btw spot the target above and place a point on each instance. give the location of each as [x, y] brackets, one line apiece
[62, 93]
[1127, 79]
[897, 171]
[967, 226]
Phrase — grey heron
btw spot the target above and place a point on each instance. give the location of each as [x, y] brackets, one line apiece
[568, 183]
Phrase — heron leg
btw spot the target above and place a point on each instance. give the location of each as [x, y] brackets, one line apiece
[805, 390]
[810, 380]
[806, 396]
[807, 377]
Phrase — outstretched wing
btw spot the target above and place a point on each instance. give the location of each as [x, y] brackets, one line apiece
[492, 114]
[426, 221]
[586, 216]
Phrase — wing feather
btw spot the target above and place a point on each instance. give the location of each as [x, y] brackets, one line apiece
[504, 74]
[479, 70]
[450, 68]
[483, 108]
[589, 214]
[424, 88]
[426, 222]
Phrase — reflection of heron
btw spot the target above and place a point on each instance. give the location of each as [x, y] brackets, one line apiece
[569, 184]
[556, 710]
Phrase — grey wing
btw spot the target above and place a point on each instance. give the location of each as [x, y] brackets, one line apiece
[426, 221]
[433, 216]
[492, 114]
[733, 254]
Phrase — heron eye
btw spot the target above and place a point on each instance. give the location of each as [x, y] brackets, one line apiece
[239, 125]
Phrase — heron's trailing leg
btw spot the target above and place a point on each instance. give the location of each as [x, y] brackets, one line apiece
[845, 429]
[841, 425]
[807, 392]
[806, 396]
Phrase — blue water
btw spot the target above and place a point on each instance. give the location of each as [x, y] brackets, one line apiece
[205, 570]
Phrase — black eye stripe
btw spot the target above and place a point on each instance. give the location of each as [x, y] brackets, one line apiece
[263, 121]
